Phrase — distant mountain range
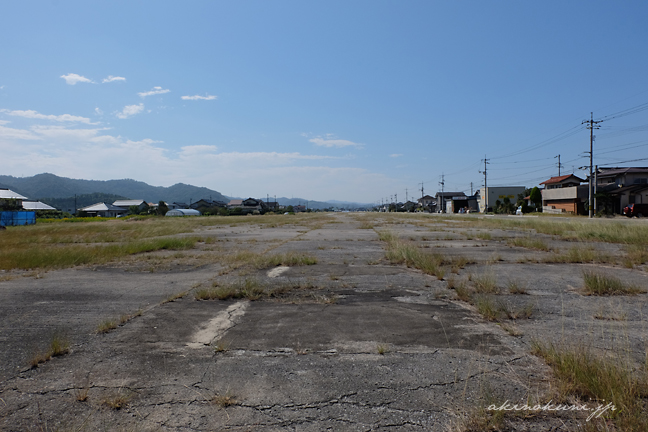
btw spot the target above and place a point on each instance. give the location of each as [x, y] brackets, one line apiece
[59, 192]
[43, 186]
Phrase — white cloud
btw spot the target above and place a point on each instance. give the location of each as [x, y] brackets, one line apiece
[36, 115]
[395, 155]
[4, 122]
[98, 111]
[154, 91]
[198, 97]
[112, 79]
[17, 134]
[72, 79]
[92, 153]
[130, 110]
[330, 141]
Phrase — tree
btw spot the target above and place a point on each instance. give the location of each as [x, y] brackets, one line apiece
[162, 208]
[536, 197]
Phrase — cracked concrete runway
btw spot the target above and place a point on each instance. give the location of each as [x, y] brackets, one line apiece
[370, 346]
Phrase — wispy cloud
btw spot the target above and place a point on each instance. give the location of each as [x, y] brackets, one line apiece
[198, 97]
[395, 155]
[330, 140]
[16, 134]
[112, 79]
[154, 91]
[98, 111]
[36, 115]
[129, 111]
[93, 153]
[73, 78]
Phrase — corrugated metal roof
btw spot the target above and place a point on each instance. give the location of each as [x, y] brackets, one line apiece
[128, 203]
[102, 207]
[36, 205]
[9, 194]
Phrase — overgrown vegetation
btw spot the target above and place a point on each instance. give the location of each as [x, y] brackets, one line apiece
[529, 243]
[406, 252]
[251, 289]
[601, 284]
[582, 373]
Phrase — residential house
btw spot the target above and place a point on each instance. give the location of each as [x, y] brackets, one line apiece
[247, 206]
[8, 194]
[36, 205]
[564, 194]
[127, 204]
[177, 205]
[205, 204]
[620, 187]
[427, 203]
[492, 194]
[103, 210]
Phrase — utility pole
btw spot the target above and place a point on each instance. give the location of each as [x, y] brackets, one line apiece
[595, 183]
[559, 165]
[405, 194]
[591, 125]
[485, 183]
[421, 190]
[442, 183]
[471, 189]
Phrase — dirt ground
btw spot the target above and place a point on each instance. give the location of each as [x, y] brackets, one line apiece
[360, 345]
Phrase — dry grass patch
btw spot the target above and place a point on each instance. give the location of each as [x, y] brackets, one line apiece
[485, 284]
[497, 310]
[581, 373]
[225, 400]
[58, 346]
[580, 254]
[528, 243]
[116, 401]
[602, 285]
[251, 289]
[107, 326]
[516, 287]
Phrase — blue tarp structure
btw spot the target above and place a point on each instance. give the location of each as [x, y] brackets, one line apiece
[12, 218]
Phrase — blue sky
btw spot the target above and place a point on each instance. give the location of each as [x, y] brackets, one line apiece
[347, 100]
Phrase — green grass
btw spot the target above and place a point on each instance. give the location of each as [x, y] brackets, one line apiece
[405, 252]
[528, 243]
[602, 285]
[580, 254]
[485, 284]
[48, 256]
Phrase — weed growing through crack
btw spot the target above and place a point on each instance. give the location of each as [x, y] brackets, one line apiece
[225, 400]
[251, 289]
[382, 349]
[81, 394]
[59, 345]
[222, 346]
[464, 293]
[528, 243]
[116, 401]
[601, 285]
[516, 287]
[493, 310]
[107, 326]
[485, 284]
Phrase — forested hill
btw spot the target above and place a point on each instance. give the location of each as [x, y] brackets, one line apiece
[53, 186]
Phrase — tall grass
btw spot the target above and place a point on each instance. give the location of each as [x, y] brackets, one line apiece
[600, 284]
[582, 373]
[47, 256]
